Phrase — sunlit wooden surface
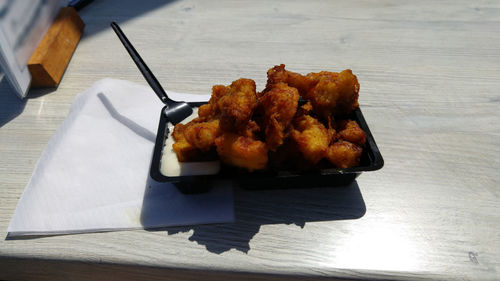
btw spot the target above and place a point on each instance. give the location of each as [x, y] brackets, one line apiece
[430, 92]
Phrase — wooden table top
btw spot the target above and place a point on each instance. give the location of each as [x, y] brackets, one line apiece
[430, 77]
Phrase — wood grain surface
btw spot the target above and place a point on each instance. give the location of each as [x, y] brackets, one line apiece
[430, 91]
[51, 57]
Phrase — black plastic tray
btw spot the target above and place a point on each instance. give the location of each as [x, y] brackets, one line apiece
[371, 160]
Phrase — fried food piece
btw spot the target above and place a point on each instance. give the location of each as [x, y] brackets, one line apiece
[344, 154]
[218, 91]
[315, 77]
[242, 151]
[202, 135]
[351, 132]
[250, 130]
[279, 105]
[183, 149]
[229, 106]
[306, 109]
[303, 83]
[178, 133]
[288, 157]
[295, 137]
[207, 112]
[332, 133]
[312, 138]
[237, 105]
[334, 93]
[278, 74]
[331, 93]
[211, 110]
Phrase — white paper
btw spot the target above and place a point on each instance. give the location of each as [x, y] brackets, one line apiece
[94, 173]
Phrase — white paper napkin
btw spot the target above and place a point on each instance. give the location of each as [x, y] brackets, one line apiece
[94, 173]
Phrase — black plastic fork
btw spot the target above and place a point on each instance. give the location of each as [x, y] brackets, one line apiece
[175, 111]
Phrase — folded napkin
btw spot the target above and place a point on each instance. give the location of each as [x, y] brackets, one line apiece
[94, 173]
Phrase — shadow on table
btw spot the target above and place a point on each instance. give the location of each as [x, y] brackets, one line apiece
[284, 206]
[97, 15]
[125, 121]
[11, 105]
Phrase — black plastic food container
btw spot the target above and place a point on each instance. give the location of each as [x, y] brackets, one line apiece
[371, 160]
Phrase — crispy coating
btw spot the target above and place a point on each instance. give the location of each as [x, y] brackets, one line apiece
[202, 135]
[211, 110]
[279, 106]
[351, 132]
[306, 109]
[332, 133]
[183, 149]
[237, 105]
[207, 112]
[178, 132]
[330, 93]
[343, 154]
[315, 77]
[218, 91]
[303, 83]
[270, 130]
[242, 151]
[250, 130]
[278, 74]
[312, 138]
[230, 106]
[334, 93]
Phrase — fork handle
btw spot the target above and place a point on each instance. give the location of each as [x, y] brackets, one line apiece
[148, 75]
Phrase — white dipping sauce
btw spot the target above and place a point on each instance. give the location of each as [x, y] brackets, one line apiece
[171, 167]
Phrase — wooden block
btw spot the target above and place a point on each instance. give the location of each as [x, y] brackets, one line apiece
[50, 59]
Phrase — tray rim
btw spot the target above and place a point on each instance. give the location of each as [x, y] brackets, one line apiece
[155, 173]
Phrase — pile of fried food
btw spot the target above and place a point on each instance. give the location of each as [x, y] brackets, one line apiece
[271, 130]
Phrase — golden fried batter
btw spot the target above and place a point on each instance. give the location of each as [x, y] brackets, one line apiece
[312, 138]
[330, 93]
[276, 75]
[211, 110]
[303, 83]
[344, 154]
[294, 137]
[250, 130]
[183, 149]
[279, 74]
[305, 109]
[202, 135]
[178, 132]
[279, 105]
[207, 112]
[237, 105]
[231, 107]
[350, 131]
[242, 151]
[334, 93]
